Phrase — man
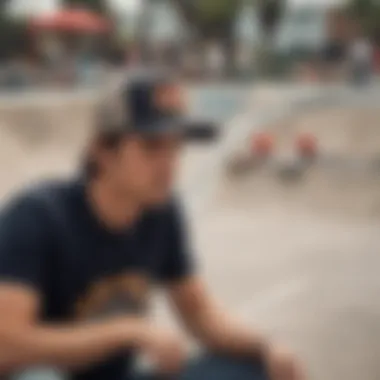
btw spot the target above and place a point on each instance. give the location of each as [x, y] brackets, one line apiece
[361, 54]
[77, 260]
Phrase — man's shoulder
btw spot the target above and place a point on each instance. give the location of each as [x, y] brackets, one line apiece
[39, 199]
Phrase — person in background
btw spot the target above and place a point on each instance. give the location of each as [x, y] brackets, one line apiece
[332, 63]
[80, 257]
[376, 58]
[361, 56]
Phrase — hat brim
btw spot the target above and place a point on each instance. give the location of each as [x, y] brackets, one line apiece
[189, 130]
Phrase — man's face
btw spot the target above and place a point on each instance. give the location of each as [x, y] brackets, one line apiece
[144, 168]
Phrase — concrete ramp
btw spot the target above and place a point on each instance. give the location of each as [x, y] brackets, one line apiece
[345, 178]
[41, 141]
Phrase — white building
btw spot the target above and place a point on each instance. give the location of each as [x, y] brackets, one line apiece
[303, 25]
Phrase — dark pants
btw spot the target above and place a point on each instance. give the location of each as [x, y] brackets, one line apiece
[204, 368]
[218, 368]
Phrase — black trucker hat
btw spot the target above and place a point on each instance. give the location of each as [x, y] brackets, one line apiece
[147, 102]
[151, 102]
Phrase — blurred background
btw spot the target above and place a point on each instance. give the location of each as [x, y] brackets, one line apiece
[289, 176]
[77, 42]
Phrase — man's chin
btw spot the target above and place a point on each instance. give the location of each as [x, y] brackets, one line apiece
[158, 199]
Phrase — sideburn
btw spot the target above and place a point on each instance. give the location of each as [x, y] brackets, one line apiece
[104, 141]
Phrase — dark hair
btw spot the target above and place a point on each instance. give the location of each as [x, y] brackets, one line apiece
[106, 140]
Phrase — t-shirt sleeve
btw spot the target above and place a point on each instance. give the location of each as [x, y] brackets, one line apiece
[23, 243]
[178, 262]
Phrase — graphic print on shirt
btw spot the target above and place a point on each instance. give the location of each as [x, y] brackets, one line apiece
[122, 293]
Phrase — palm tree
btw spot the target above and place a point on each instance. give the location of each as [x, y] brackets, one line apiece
[216, 19]
[367, 12]
[212, 20]
[14, 37]
[270, 13]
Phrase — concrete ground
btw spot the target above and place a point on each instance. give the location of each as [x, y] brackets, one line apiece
[309, 280]
[300, 259]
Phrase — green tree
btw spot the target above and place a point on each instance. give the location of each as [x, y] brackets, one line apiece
[212, 20]
[269, 14]
[15, 39]
[217, 11]
[367, 12]
[216, 19]
[95, 5]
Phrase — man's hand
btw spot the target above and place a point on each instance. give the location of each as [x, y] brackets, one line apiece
[282, 365]
[24, 342]
[164, 349]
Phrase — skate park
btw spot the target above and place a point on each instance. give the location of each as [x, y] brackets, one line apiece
[302, 251]
[293, 255]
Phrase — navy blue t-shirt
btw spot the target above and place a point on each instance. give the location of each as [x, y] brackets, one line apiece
[51, 240]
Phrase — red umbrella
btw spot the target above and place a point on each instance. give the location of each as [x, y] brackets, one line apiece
[72, 20]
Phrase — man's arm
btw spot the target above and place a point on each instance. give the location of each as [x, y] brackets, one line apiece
[25, 248]
[25, 342]
[208, 322]
[199, 312]
[221, 333]
[196, 308]
[25, 254]
[216, 329]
